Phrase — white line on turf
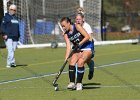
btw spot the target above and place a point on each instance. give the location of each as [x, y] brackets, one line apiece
[53, 74]
[115, 86]
[118, 63]
[88, 86]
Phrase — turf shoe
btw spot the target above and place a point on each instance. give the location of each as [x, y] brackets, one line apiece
[71, 85]
[79, 86]
[8, 66]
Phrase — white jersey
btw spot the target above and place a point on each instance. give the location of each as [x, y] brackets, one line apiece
[87, 27]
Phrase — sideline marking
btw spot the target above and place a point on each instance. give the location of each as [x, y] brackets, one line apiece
[118, 63]
[115, 86]
[53, 74]
[38, 63]
[90, 86]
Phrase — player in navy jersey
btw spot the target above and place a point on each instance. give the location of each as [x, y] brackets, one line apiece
[75, 35]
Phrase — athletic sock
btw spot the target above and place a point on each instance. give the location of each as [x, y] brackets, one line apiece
[72, 73]
[91, 65]
[80, 74]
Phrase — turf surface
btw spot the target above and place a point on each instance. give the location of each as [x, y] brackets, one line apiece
[117, 71]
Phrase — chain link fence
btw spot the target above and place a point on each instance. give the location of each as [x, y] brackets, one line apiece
[39, 18]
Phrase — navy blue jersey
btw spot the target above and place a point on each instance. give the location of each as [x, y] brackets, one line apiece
[75, 37]
[10, 26]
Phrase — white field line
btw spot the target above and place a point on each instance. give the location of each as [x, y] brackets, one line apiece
[118, 63]
[115, 86]
[88, 86]
[53, 74]
[62, 44]
[95, 86]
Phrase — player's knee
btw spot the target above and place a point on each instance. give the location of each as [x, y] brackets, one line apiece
[72, 62]
[81, 62]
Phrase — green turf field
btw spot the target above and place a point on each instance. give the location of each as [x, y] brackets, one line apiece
[117, 75]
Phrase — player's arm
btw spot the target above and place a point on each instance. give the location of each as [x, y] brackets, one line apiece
[68, 46]
[84, 33]
[88, 28]
[90, 33]
[3, 27]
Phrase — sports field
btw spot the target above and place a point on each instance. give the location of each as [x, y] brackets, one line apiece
[117, 75]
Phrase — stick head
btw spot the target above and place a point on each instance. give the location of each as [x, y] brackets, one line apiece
[56, 87]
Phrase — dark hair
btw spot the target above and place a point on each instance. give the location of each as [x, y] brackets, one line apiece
[67, 19]
[80, 14]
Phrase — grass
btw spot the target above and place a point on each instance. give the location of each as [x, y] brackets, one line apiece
[111, 82]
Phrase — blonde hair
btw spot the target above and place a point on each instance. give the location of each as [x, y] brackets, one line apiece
[81, 10]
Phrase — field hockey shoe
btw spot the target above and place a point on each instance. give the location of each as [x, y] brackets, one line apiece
[13, 65]
[8, 66]
[79, 86]
[71, 85]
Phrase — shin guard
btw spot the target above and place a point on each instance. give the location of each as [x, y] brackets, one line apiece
[72, 73]
[80, 74]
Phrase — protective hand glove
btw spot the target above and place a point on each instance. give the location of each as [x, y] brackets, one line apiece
[76, 47]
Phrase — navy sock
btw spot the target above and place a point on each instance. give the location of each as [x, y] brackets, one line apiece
[72, 73]
[91, 65]
[80, 74]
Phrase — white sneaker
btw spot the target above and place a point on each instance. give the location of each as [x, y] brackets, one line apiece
[79, 86]
[71, 85]
[8, 66]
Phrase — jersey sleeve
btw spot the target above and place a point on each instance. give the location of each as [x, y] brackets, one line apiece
[87, 27]
[3, 26]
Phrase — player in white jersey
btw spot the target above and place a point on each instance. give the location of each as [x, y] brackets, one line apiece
[80, 20]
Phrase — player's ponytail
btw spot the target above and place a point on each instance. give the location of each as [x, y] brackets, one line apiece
[81, 10]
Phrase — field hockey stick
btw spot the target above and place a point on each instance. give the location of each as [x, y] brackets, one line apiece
[61, 28]
[61, 70]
